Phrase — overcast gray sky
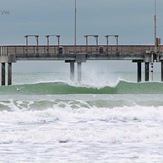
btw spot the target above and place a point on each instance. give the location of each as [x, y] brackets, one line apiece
[131, 19]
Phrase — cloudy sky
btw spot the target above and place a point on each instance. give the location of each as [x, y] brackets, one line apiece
[132, 20]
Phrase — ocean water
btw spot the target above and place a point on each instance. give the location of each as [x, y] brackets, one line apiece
[107, 118]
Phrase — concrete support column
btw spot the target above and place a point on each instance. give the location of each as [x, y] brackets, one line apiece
[9, 73]
[79, 71]
[146, 71]
[138, 71]
[72, 70]
[3, 74]
[161, 70]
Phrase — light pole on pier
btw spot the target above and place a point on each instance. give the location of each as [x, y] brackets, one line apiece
[75, 28]
[157, 41]
[155, 27]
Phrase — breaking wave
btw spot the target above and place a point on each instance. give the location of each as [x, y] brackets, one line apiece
[122, 87]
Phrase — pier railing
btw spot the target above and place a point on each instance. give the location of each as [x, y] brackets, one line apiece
[80, 49]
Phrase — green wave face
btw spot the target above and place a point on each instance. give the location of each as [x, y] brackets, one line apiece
[64, 88]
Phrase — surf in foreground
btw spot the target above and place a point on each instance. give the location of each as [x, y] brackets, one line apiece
[89, 128]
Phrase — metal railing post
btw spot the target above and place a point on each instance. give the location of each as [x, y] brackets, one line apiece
[36, 37]
[48, 41]
[96, 38]
[107, 42]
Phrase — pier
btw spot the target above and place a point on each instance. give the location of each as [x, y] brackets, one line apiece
[78, 54]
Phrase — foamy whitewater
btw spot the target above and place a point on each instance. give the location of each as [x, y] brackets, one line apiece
[47, 118]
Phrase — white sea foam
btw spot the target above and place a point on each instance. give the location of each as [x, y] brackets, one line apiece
[53, 128]
[126, 132]
[126, 123]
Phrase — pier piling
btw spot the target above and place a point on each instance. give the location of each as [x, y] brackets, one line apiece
[9, 73]
[138, 71]
[72, 70]
[161, 70]
[146, 71]
[3, 74]
[79, 71]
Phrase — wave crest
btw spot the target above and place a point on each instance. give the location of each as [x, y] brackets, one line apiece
[122, 87]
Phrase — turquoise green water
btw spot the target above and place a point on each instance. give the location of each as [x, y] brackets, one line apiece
[122, 87]
[99, 83]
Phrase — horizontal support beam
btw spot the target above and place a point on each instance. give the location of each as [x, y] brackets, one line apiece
[79, 57]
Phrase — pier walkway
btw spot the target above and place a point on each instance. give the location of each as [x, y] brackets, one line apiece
[79, 54]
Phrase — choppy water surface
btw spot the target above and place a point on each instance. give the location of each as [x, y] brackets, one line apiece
[81, 128]
[67, 122]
